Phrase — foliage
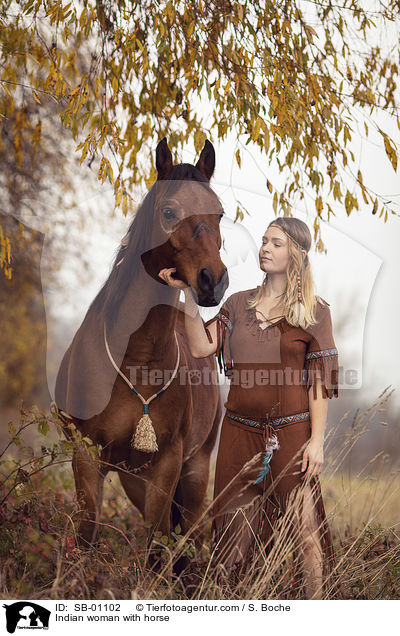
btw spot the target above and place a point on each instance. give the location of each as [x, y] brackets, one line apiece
[23, 332]
[5, 254]
[293, 78]
[31, 155]
[37, 187]
[31, 461]
[38, 180]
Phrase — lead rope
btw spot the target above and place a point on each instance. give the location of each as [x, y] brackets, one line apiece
[144, 438]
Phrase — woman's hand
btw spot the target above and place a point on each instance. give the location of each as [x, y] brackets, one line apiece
[313, 458]
[165, 274]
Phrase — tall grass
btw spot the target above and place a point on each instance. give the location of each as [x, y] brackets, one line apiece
[41, 558]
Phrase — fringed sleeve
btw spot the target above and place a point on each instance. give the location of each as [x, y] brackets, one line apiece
[224, 320]
[321, 360]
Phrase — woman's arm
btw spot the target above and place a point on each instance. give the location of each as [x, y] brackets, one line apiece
[199, 345]
[322, 367]
[313, 456]
[198, 342]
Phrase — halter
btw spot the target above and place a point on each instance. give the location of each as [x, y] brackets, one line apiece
[144, 438]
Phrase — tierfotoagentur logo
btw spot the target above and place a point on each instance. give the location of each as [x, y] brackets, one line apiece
[26, 615]
[245, 377]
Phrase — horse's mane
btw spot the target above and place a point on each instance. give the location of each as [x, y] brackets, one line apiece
[127, 262]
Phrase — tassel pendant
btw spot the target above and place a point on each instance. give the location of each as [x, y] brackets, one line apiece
[145, 438]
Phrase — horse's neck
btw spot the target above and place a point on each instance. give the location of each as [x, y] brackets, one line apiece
[146, 319]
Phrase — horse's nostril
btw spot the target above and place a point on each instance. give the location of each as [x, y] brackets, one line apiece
[205, 280]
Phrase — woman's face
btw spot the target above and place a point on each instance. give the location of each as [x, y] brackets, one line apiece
[274, 251]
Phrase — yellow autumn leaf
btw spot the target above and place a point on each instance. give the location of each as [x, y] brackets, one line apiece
[101, 173]
[190, 29]
[199, 140]
[275, 202]
[391, 153]
[256, 129]
[35, 96]
[114, 84]
[239, 214]
[125, 204]
[238, 158]
[118, 198]
[266, 141]
[310, 31]
[364, 195]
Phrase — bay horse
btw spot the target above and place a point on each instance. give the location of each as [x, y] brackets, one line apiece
[134, 331]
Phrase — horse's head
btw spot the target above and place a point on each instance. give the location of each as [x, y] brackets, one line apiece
[185, 231]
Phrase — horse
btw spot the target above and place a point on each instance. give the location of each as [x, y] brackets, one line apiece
[132, 334]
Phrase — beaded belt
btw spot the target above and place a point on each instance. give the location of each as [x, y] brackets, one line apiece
[274, 421]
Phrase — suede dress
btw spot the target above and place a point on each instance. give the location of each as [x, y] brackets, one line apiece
[267, 425]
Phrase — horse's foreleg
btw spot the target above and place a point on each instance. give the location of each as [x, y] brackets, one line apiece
[161, 486]
[89, 480]
[193, 486]
[194, 480]
[135, 489]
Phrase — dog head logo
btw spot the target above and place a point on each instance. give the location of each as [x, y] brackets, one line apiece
[26, 615]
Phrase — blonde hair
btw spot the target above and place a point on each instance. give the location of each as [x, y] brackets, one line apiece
[299, 238]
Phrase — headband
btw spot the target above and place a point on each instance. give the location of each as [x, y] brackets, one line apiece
[291, 237]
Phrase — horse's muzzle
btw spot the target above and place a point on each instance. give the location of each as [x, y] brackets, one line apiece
[210, 293]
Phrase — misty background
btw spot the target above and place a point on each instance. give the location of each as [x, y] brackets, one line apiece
[70, 232]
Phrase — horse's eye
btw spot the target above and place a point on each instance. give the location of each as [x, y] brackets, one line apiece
[221, 214]
[169, 214]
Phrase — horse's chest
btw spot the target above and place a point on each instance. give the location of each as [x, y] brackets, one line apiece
[167, 412]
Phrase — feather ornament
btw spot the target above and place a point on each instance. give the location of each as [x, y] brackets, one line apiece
[271, 445]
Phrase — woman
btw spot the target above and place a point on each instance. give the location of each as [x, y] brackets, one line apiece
[277, 347]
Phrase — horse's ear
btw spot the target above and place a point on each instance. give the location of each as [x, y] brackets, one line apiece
[163, 159]
[206, 162]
